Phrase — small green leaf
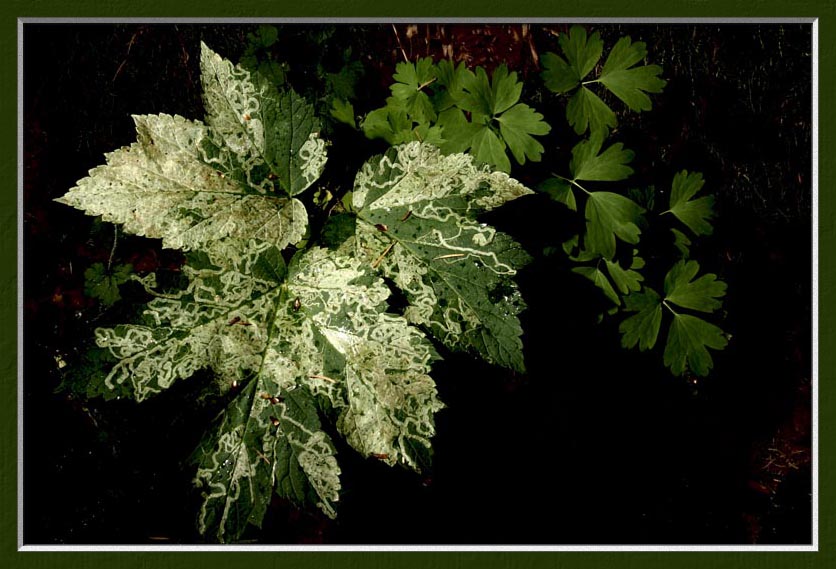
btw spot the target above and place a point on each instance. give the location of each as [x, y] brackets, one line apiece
[688, 339]
[557, 74]
[643, 327]
[630, 84]
[458, 132]
[609, 166]
[581, 52]
[586, 110]
[681, 242]
[600, 280]
[700, 294]
[625, 280]
[693, 213]
[104, 284]
[517, 125]
[560, 191]
[452, 78]
[608, 216]
[411, 80]
[343, 111]
[487, 147]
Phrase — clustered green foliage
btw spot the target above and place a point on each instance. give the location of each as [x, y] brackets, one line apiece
[295, 323]
[459, 110]
[607, 253]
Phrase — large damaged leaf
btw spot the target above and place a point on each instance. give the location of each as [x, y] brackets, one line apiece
[417, 222]
[162, 187]
[320, 331]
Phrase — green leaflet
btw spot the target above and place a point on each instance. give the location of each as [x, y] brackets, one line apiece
[560, 191]
[608, 216]
[598, 278]
[343, 111]
[701, 294]
[643, 327]
[410, 81]
[693, 213]
[681, 242]
[625, 280]
[628, 83]
[688, 339]
[417, 223]
[608, 166]
[255, 133]
[319, 332]
[585, 110]
[160, 187]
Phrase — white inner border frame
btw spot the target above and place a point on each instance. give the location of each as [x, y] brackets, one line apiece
[366, 548]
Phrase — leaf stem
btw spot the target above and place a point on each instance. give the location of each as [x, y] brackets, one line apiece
[668, 306]
[573, 182]
[113, 248]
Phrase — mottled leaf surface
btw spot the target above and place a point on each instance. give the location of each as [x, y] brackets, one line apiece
[321, 331]
[417, 223]
[258, 134]
[162, 187]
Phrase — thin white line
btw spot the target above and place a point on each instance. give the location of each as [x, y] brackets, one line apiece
[360, 548]
[20, 284]
[452, 20]
[814, 384]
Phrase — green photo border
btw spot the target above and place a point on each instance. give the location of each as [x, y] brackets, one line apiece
[824, 10]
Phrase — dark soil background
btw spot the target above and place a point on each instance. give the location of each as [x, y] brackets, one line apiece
[595, 445]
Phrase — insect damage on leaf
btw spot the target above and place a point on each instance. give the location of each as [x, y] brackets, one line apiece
[166, 186]
[455, 271]
[310, 333]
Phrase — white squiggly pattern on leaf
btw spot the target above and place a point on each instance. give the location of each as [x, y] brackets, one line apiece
[257, 133]
[288, 336]
[162, 187]
[417, 222]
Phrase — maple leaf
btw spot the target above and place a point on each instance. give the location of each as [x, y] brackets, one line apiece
[417, 223]
[290, 335]
[190, 183]
[160, 187]
[694, 213]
